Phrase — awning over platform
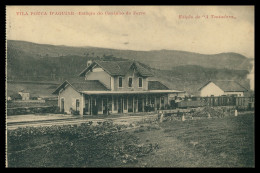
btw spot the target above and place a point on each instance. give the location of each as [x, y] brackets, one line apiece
[131, 92]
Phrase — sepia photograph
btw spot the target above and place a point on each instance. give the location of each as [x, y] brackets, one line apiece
[130, 86]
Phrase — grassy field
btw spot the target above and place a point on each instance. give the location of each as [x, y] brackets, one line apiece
[220, 142]
[213, 142]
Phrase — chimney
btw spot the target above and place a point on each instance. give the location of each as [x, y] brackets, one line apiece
[89, 62]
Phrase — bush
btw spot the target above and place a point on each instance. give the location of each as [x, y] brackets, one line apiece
[179, 114]
[167, 107]
[75, 146]
[56, 110]
[85, 111]
[74, 112]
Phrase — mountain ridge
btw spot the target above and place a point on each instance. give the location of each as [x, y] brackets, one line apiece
[167, 58]
[152, 50]
[177, 69]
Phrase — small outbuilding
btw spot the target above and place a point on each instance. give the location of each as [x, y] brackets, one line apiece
[9, 98]
[221, 88]
[24, 94]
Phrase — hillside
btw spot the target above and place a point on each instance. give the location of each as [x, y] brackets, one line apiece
[177, 69]
[160, 59]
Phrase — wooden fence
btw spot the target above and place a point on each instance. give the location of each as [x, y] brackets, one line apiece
[245, 102]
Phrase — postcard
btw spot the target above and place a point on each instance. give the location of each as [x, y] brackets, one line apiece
[130, 86]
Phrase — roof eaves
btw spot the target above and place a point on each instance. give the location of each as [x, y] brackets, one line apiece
[160, 83]
[86, 69]
[204, 85]
[234, 91]
[242, 86]
[103, 85]
[54, 92]
[96, 82]
[231, 90]
[58, 88]
[83, 71]
[103, 68]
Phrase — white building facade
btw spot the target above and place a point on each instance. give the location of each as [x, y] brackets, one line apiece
[221, 88]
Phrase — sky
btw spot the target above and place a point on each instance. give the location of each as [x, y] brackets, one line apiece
[142, 28]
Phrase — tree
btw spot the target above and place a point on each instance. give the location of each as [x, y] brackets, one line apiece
[16, 96]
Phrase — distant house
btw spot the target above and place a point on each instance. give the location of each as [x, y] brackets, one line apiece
[117, 86]
[222, 87]
[39, 98]
[24, 94]
[9, 98]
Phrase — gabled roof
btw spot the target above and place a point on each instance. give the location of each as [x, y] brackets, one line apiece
[80, 84]
[142, 69]
[227, 85]
[118, 68]
[156, 85]
[24, 91]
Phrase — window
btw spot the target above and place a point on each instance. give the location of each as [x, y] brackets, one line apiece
[140, 85]
[120, 82]
[130, 82]
[130, 104]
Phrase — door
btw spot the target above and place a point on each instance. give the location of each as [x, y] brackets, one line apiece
[120, 105]
[62, 105]
[140, 105]
[125, 104]
[77, 104]
[130, 104]
[86, 106]
[105, 106]
[136, 105]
